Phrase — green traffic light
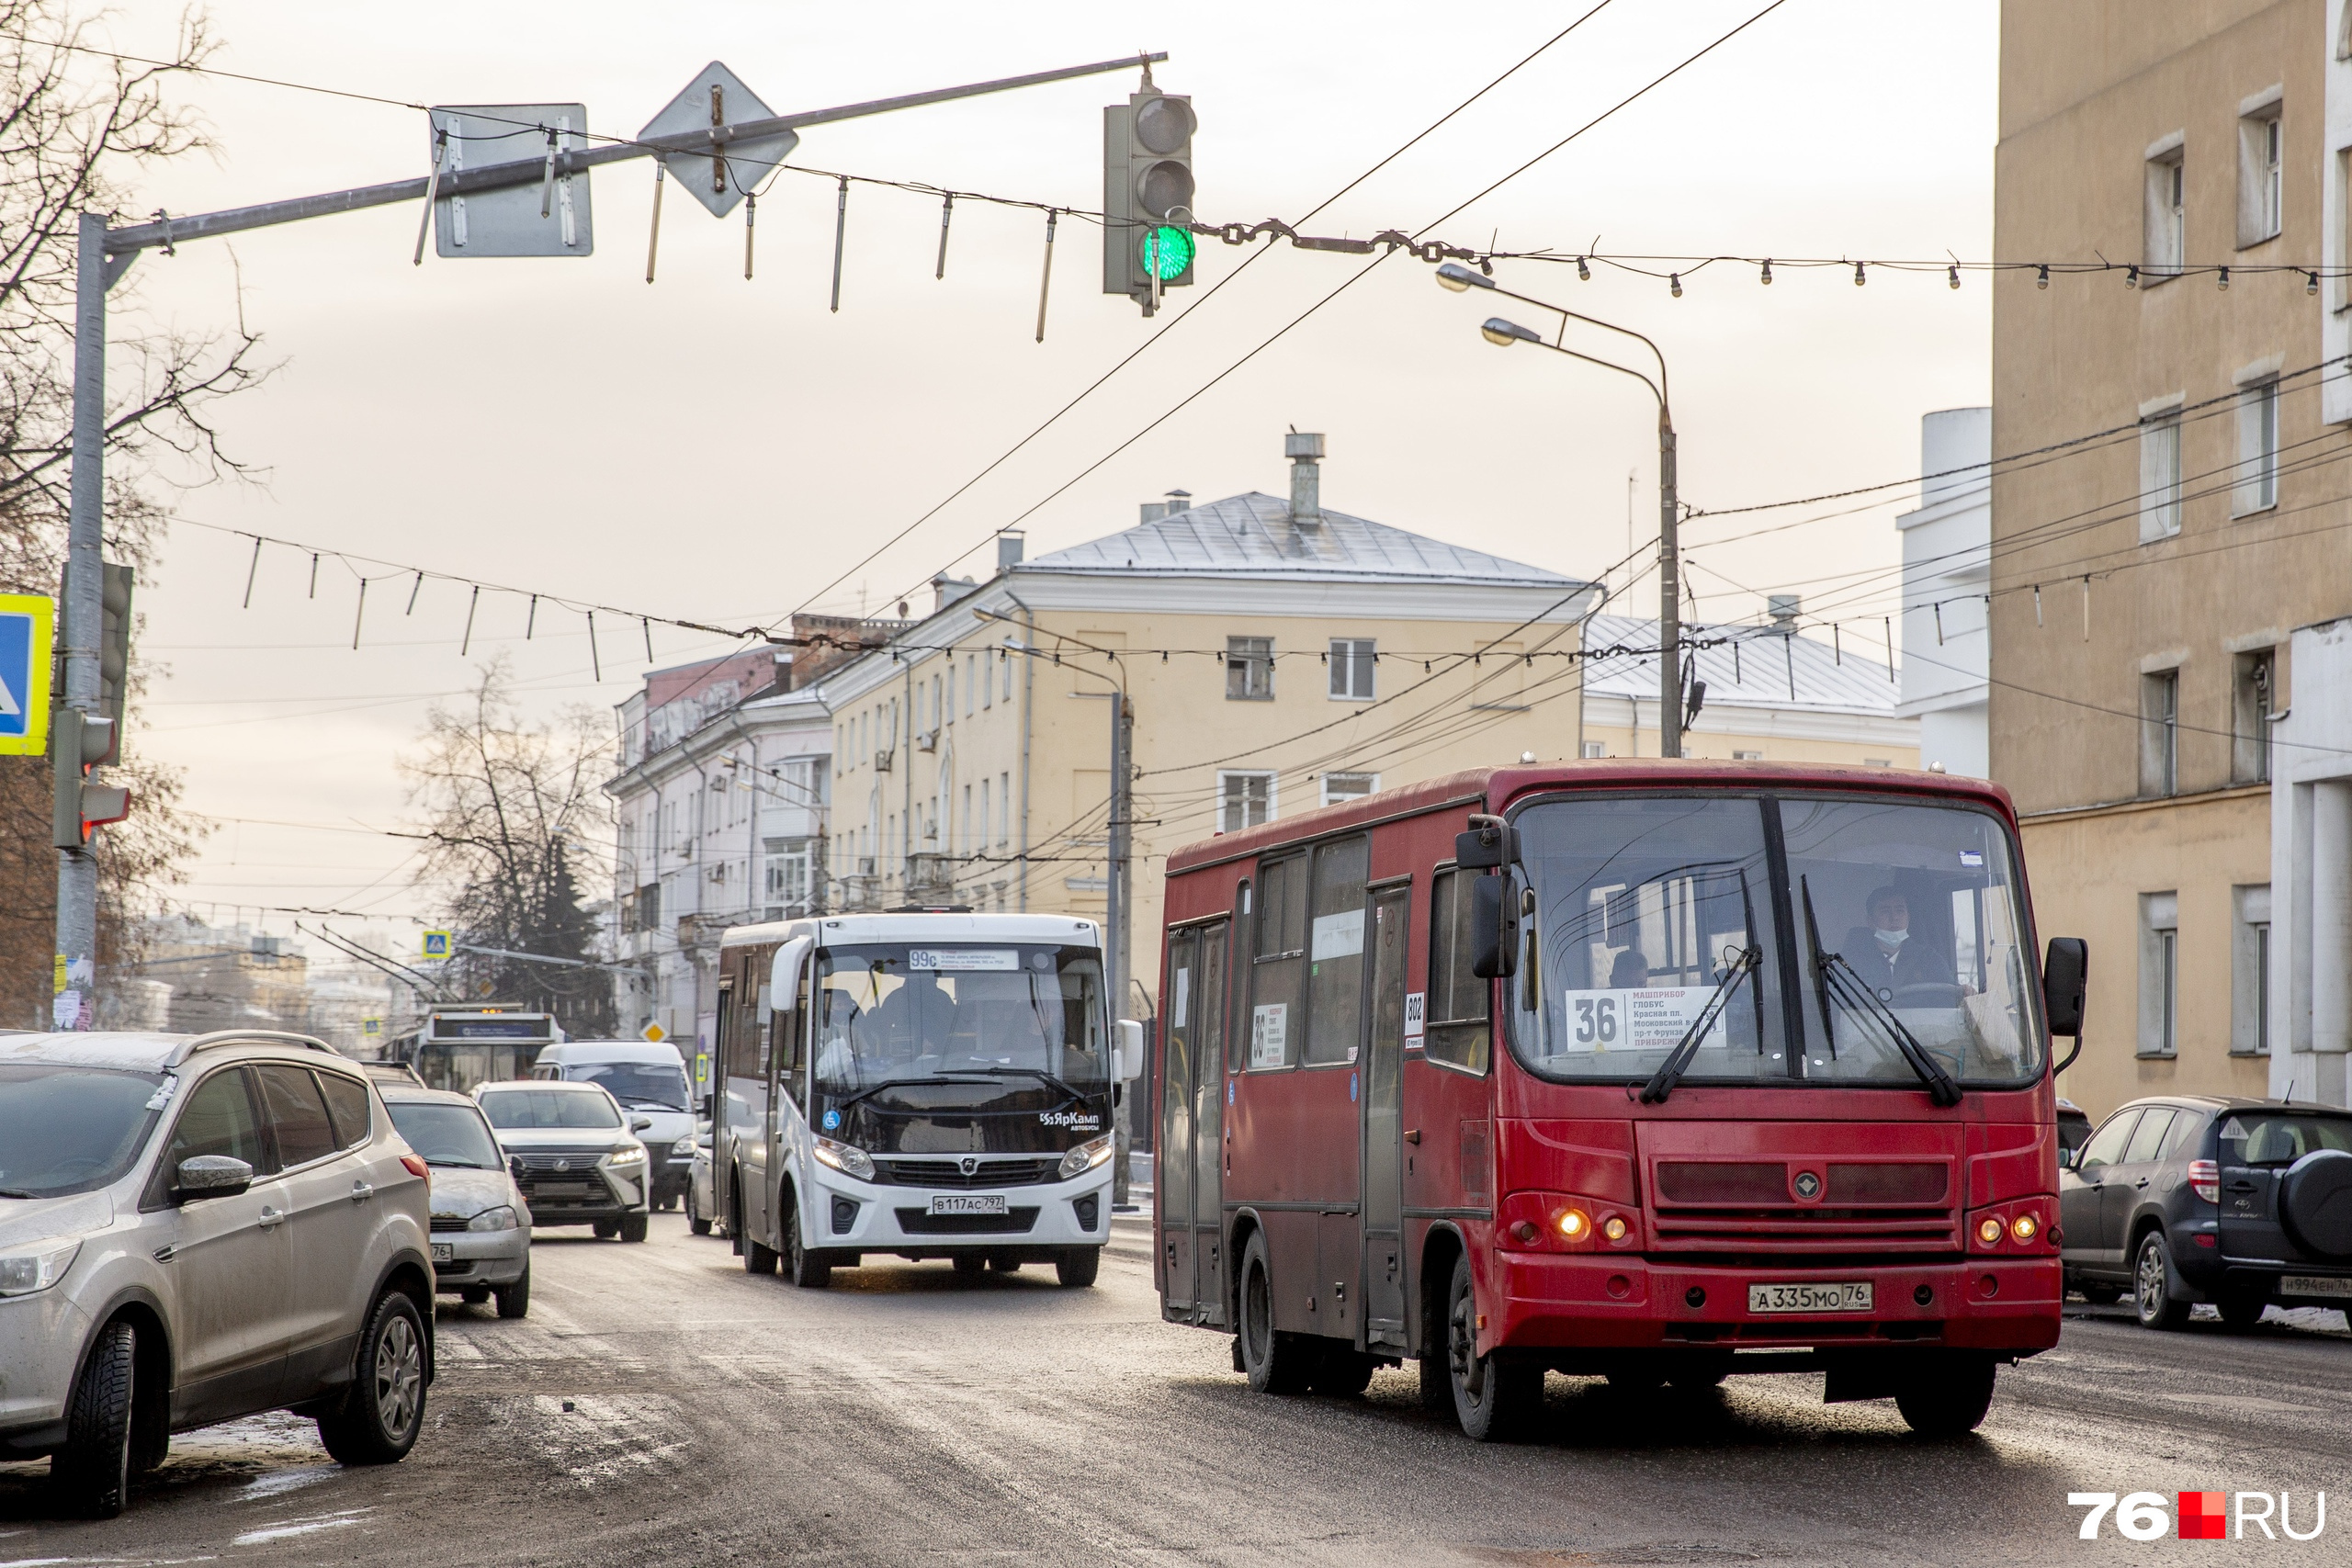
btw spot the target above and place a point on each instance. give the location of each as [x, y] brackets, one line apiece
[1167, 251]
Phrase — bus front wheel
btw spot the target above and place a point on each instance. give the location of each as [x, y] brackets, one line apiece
[1076, 1267]
[1495, 1395]
[1276, 1362]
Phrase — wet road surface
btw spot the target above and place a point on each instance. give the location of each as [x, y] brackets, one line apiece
[658, 1405]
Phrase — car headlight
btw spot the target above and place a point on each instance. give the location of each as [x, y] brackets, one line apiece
[683, 1148]
[502, 1218]
[848, 1159]
[632, 1156]
[37, 1267]
[1087, 1156]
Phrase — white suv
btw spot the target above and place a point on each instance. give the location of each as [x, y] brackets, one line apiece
[198, 1228]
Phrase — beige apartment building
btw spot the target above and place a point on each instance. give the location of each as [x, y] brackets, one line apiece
[1277, 656]
[2169, 702]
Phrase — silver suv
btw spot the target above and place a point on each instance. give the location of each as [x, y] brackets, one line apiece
[198, 1228]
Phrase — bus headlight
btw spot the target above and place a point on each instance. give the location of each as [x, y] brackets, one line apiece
[2024, 1227]
[1988, 1229]
[1575, 1225]
[847, 1159]
[1087, 1156]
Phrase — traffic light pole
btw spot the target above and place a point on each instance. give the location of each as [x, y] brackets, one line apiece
[82, 612]
[103, 255]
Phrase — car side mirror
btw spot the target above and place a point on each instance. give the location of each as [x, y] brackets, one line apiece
[210, 1175]
[1494, 937]
[1127, 1060]
[2067, 1158]
[515, 1167]
[640, 1123]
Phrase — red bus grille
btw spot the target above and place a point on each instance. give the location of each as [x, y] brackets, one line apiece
[1791, 1229]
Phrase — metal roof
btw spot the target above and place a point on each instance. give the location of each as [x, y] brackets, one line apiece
[1753, 667]
[1252, 536]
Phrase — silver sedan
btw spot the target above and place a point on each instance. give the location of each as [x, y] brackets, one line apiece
[481, 1228]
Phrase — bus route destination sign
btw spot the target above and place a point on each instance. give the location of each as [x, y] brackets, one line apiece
[1649, 1018]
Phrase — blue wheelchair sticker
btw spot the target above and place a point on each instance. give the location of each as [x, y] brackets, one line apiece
[832, 1120]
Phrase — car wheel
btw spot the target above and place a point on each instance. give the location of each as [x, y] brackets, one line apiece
[515, 1300]
[2152, 1295]
[757, 1260]
[633, 1227]
[474, 1295]
[2101, 1295]
[605, 1230]
[1276, 1362]
[811, 1269]
[1497, 1395]
[379, 1417]
[971, 1265]
[700, 1228]
[93, 1470]
[2242, 1310]
[1947, 1397]
[1076, 1267]
[1343, 1372]
[1004, 1264]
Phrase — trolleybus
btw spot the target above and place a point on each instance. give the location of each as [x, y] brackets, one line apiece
[1655, 1070]
[920, 1083]
[459, 1045]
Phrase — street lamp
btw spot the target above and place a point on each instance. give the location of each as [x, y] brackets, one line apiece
[1502, 335]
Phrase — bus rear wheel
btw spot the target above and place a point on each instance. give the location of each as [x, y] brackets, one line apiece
[1275, 1363]
[1495, 1395]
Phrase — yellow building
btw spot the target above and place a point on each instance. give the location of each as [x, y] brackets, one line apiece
[1277, 656]
[2156, 578]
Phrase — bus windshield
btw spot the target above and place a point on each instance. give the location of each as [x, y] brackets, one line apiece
[1898, 922]
[893, 1012]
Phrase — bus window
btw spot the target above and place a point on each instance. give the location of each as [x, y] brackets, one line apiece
[1237, 1045]
[1457, 1032]
[1335, 952]
[1277, 963]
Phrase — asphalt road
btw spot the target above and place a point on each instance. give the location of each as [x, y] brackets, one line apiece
[660, 1406]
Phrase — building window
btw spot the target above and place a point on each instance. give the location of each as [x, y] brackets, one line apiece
[987, 683]
[1747, 756]
[2160, 476]
[1595, 749]
[2159, 974]
[2253, 699]
[1249, 669]
[2250, 971]
[2160, 733]
[1003, 809]
[792, 877]
[1349, 786]
[2257, 483]
[2260, 186]
[1352, 660]
[1878, 761]
[2165, 243]
[1244, 800]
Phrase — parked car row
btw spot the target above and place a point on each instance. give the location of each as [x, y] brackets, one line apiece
[2182, 1198]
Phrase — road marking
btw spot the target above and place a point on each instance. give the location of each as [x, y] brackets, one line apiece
[300, 1527]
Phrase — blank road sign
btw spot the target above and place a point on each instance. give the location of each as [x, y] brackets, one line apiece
[717, 96]
[507, 222]
[25, 620]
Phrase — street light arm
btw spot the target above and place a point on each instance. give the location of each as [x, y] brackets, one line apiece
[1594, 321]
[1611, 365]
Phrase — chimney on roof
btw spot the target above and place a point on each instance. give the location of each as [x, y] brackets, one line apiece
[1153, 511]
[1179, 500]
[1784, 609]
[1305, 452]
[1009, 547]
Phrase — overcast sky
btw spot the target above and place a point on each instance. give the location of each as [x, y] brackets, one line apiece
[717, 450]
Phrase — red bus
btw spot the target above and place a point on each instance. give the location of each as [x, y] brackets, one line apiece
[1654, 1070]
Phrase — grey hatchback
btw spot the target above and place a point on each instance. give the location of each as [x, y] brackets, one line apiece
[2184, 1199]
[195, 1228]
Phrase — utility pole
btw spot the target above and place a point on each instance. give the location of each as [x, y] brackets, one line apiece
[1117, 908]
[1669, 577]
[104, 255]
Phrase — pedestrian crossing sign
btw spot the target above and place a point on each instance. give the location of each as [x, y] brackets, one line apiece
[25, 623]
[436, 944]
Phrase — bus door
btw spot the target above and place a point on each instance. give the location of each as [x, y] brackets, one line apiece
[1384, 1232]
[1191, 1121]
[1208, 1126]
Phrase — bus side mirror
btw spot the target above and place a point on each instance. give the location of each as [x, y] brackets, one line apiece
[2066, 970]
[1489, 843]
[711, 1106]
[1127, 1061]
[1494, 939]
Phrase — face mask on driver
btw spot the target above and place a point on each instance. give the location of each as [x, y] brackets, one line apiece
[1892, 939]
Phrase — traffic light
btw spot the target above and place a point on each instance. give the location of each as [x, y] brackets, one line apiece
[80, 741]
[1148, 195]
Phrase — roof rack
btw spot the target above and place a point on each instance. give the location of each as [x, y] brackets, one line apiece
[253, 1036]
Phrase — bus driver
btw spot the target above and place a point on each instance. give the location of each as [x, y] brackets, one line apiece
[1883, 953]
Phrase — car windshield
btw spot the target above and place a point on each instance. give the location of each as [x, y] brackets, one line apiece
[66, 1130]
[639, 1086]
[1900, 922]
[525, 1108]
[891, 1011]
[2281, 1138]
[446, 1134]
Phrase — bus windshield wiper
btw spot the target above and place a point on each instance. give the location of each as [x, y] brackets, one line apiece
[1678, 1061]
[896, 1083]
[1048, 1079]
[1840, 984]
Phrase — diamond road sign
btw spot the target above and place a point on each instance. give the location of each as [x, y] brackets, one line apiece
[542, 217]
[25, 620]
[717, 96]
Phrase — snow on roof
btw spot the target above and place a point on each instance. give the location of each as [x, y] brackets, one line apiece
[1753, 667]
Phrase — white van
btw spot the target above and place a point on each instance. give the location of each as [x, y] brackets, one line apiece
[923, 1083]
[649, 1079]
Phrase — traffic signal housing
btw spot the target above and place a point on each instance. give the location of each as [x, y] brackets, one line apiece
[1147, 191]
[114, 651]
[79, 741]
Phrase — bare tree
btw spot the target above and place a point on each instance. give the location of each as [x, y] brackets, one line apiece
[77, 128]
[517, 820]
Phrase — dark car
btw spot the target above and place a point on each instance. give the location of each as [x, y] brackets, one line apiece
[2073, 1127]
[2180, 1199]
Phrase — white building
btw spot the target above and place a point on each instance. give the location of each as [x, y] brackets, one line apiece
[1947, 568]
[2307, 989]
